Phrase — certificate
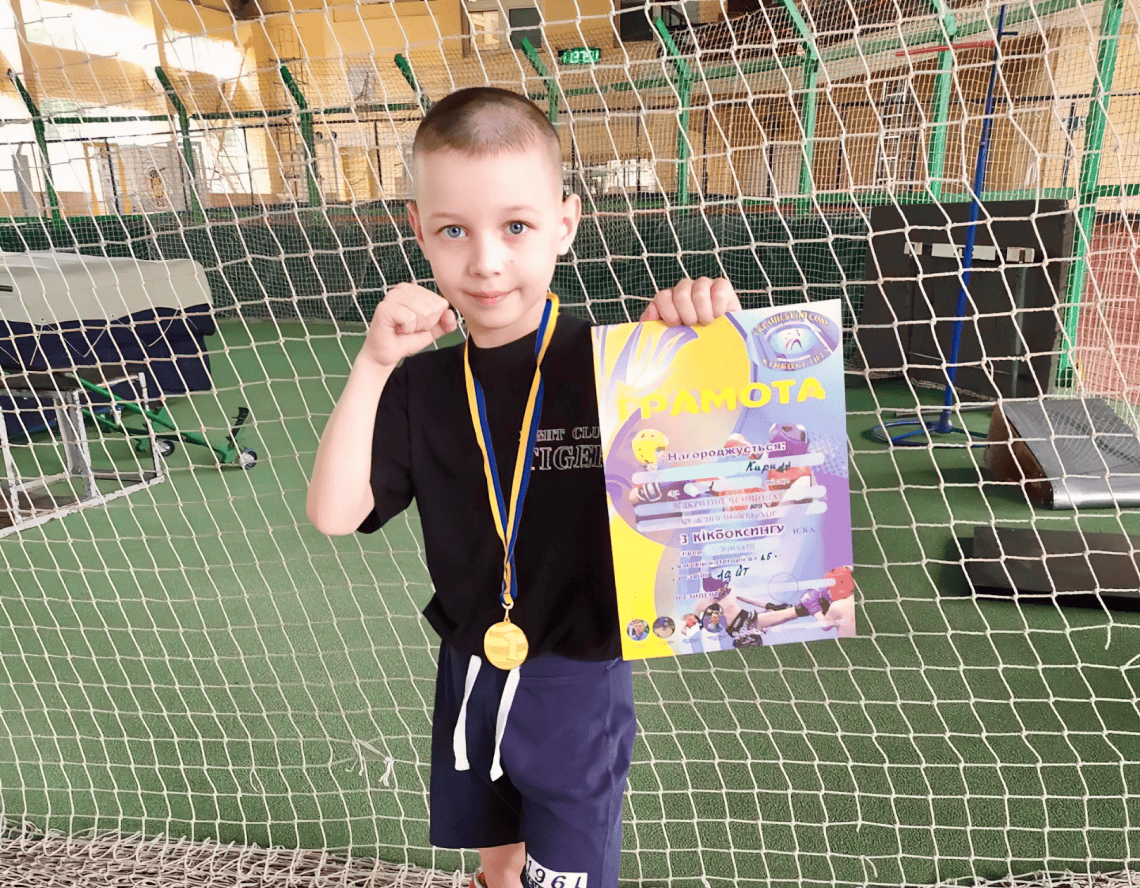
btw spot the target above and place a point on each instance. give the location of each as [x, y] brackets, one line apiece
[725, 452]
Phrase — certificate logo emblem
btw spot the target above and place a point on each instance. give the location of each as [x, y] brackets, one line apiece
[795, 339]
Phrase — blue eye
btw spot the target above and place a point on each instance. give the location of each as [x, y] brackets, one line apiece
[453, 231]
[517, 227]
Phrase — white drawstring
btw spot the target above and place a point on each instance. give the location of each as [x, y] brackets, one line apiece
[459, 739]
[505, 703]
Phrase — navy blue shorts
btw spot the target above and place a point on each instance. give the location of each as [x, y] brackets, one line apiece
[565, 753]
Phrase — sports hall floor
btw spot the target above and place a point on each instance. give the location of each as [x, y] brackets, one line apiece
[196, 659]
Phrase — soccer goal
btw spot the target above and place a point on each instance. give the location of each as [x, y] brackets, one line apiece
[196, 687]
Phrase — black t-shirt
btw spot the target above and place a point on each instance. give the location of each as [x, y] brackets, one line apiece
[425, 447]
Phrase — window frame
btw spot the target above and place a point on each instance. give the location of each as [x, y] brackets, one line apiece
[674, 14]
[506, 32]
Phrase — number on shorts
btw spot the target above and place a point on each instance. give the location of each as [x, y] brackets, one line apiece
[539, 876]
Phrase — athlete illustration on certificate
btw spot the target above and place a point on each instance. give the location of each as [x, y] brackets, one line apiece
[725, 451]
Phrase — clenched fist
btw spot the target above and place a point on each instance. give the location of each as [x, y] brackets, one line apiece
[408, 320]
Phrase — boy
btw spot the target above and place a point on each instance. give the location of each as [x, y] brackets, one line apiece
[529, 761]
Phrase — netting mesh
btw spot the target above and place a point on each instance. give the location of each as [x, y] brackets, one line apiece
[32, 859]
[193, 659]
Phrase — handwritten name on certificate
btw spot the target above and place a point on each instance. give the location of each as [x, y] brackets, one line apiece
[725, 451]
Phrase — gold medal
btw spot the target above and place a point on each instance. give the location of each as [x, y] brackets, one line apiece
[505, 645]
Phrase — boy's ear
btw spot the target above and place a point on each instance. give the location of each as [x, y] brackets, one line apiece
[414, 218]
[571, 216]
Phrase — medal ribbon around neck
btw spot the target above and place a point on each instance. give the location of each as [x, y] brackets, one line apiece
[507, 519]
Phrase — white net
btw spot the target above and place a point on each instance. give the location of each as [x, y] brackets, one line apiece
[182, 654]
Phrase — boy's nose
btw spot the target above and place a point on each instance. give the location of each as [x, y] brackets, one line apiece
[487, 257]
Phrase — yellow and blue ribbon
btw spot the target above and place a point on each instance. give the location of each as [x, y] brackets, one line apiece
[507, 519]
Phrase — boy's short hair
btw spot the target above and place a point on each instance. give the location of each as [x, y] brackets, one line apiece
[483, 121]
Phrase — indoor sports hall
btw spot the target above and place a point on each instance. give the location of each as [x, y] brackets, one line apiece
[203, 201]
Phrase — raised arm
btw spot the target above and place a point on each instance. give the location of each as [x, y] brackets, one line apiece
[340, 494]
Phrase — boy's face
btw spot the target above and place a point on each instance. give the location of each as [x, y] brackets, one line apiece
[493, 229]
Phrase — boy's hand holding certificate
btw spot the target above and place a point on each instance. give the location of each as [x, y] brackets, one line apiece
[725, 451]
